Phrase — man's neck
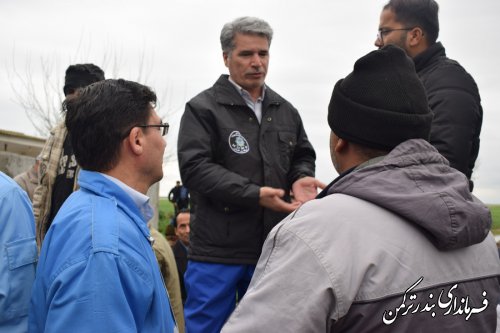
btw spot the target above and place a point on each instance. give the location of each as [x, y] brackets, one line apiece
[418, 49]
[255, 94]
[128, 178]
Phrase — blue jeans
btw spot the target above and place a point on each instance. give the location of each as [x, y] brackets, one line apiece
[212, 290]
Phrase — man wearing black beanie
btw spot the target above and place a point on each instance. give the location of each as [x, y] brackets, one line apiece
[397, 244]
[58, 169]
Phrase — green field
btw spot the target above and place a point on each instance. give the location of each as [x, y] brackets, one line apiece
[166, 212]
[495, 214]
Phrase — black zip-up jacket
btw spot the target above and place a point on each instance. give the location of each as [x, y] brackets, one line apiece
[454, 98]
[225, 156]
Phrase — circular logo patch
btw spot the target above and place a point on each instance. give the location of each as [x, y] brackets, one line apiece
[238, 143]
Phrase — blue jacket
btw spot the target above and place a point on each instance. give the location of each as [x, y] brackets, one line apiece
[18, 254]
[97, 271]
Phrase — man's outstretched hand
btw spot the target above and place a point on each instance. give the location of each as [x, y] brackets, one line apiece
[271, 198]
[306, 188]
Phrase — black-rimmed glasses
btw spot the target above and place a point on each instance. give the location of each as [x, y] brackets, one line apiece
[384, 32]
[164, 127]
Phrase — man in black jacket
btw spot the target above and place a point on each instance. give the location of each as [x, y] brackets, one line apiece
[242, 152]
[179, 197]
[453, 95]
[182, 229]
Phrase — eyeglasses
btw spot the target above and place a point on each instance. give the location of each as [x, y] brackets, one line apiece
[164, 127]
[384, 32]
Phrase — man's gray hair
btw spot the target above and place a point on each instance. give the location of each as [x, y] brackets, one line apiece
[244, 25]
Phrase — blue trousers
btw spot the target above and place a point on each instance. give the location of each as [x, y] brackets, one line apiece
[212, 290]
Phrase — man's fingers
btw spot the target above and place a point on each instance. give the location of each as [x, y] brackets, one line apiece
[286, 207]
[321, 185]
[270, 192]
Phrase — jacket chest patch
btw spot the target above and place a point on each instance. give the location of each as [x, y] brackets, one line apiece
[238, 143]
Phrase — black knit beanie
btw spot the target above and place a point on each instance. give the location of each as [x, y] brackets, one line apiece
[381, 103]
[80, 76]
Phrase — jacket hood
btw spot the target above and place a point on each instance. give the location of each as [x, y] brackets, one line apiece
[417, 183]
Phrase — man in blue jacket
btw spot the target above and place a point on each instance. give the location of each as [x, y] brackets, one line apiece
[18, 254]
[97, 271]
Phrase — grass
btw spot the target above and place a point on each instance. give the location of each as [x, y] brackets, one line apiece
[166, 212]
[495, 214]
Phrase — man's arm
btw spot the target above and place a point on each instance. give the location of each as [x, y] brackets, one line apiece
[19, 254]
[454, 100]
[47, 172]
[304, 157]
[168, 268]
[101, 293]
[171, 195]
[301, 176]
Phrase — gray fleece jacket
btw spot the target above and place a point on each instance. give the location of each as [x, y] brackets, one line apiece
[397, 246]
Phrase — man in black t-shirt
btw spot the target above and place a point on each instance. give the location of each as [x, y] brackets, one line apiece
[58, 167]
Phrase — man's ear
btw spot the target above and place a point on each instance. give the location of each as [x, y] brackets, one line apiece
[225, 56]
[135, 140]
[340, 145]
[416, 36]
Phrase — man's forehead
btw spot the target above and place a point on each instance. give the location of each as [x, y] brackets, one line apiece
[183, 218]
[388, 16]
[246, 36]
[152, 114]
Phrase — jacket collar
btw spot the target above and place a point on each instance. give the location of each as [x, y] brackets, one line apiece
[99, 185]
[425, 58]
[227, 94]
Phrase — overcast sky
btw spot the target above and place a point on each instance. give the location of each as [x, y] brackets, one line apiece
[315, 44]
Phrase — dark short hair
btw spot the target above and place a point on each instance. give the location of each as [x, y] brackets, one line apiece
[169, 230]
[183, 210]
[81, 75]
[101, 117]
[417, 13]
[368, 153]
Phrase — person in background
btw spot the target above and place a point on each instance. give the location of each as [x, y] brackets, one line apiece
[174, 192]
[18, 256]
[58, 170]
[179, 197]
[398, 244]
[97, 270]
[242, 149]
[180, 248]
[170, 234]
[28, 180]
[453, 96]
[169, 271]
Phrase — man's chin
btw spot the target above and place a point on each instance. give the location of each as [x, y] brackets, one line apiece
[157, 179]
